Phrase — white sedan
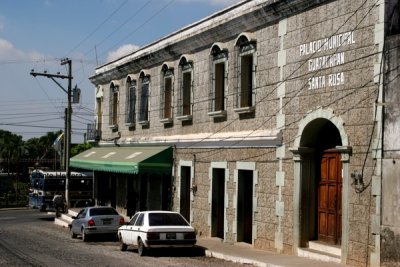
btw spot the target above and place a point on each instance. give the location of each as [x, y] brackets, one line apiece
[156, 229]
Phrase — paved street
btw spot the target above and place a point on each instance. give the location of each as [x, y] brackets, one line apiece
[30, 238]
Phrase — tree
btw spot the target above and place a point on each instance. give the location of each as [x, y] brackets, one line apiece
[42, 148]
[12, 149]
[80, 148]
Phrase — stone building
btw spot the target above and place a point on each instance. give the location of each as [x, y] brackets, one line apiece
[262, 123]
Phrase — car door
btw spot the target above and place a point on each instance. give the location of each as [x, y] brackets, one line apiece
[77, 222]
[128, 230]
[136, 228]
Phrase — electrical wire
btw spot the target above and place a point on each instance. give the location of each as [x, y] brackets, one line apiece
[98, 27]
[140, 26]
[120, 26]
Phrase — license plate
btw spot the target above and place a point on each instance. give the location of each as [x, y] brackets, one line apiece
[171, 236]
[107, 221]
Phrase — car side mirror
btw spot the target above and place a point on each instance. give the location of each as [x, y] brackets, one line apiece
[74, 217]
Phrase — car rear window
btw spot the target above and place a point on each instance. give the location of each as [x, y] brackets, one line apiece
[169, 219]
[102, 211]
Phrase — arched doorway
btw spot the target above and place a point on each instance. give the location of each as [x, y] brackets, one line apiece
[321, 172]
[321, 183]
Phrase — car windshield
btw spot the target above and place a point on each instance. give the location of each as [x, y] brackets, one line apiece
[102, 211]
[158, 219]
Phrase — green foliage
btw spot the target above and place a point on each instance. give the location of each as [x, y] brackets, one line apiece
[80, 148]
[12, 148]
[13, 191]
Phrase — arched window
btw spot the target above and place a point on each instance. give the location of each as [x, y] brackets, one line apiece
[144, 110]
[130, 107]
[166, 92]
[99, 109]
[246, 68]
[185, 98]
[114, 100]
[219, 80]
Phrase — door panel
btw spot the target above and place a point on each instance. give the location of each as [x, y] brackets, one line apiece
[218, 203]
[185, 192]
[329, 198]
[245, 206]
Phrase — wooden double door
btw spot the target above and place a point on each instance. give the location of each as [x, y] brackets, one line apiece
[330, 199]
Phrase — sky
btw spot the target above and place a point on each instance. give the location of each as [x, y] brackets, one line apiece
[38, 34]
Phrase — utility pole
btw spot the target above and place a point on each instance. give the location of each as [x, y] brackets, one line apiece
[69, 114]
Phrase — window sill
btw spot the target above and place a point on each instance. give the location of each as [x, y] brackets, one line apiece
[113, 127]
[243, 110]
[166, 120]
[217, 114]
[143, 122]
[129, 124]
[184, 118]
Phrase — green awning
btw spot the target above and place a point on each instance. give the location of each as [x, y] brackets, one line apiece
[131, 160]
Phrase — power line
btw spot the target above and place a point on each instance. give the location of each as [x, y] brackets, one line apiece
[120, 26]
[141, 25]
[291, 74]
[98, 27]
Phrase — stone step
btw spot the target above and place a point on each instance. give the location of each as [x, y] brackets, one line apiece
[61, 222]
[318, 255]
[66, 218]
[324, 247]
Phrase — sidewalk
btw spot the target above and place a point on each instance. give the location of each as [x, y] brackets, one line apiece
[238, 252]
[246, 254]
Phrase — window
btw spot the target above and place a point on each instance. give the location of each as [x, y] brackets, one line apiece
[185, 101]
[166, 219]
[114, 92]
[99, 113]
[218, 70]
[186, 93]
[166, 93]
[102, 211]
[132, 222]
[245, 93]
[140, 220]
[144, 99]
[130, 112]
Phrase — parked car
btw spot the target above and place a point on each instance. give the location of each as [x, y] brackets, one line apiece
[94, 221]
[156, 229]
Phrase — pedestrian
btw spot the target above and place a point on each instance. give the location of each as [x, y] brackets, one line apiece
[58, 203]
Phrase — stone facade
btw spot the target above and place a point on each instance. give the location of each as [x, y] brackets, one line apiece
[316, 80]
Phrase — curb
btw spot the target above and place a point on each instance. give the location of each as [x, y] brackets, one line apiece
[223, 256]
[17, 208]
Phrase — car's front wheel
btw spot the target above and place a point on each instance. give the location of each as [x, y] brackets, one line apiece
[141, 248]
[73, 235]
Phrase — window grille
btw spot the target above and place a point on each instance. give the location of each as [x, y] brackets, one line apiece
[219, 77]
[246, 73]
[144, 100]
[130, 112]
[166, 94]
[185, 98]
[114, 91]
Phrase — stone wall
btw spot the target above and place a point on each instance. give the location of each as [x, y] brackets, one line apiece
[390, 229]
[291, 84]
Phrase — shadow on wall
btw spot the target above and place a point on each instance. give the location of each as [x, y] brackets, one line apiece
[390, 253]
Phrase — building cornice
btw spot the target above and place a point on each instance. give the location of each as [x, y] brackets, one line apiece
[224, 25]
